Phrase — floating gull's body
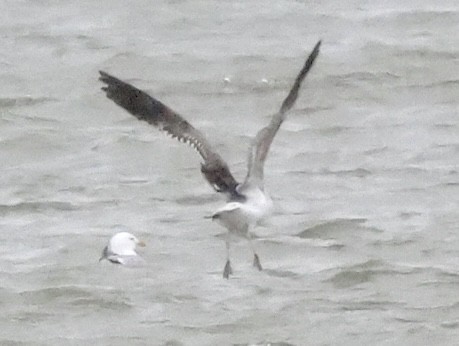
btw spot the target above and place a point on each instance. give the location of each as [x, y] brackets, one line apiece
[248, 202]
[121, 249]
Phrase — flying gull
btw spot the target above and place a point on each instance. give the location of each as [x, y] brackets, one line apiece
[121, 249]
[247, 202]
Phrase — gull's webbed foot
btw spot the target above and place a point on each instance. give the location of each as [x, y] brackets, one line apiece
[256, 262]
[228, 270]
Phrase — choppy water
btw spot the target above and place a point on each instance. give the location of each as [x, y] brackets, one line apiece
[363, 248]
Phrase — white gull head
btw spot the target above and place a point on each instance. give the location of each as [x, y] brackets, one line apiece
[121, 248]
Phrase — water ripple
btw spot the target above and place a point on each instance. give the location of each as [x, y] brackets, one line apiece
[325, 229]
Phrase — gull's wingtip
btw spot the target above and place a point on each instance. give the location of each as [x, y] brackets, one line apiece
[316, 49]
[104, 76]
[311, 58]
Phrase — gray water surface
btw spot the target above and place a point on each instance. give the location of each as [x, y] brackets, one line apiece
[363, 246]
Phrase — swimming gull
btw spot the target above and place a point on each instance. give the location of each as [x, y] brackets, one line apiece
[247, 202]
[121, 249]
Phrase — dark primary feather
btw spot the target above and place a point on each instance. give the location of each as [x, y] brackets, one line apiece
[105, 254]
[216, 171]
[293, 94]
[262, 142]
[144, 107]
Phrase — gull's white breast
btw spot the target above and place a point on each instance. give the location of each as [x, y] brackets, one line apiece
[238, 216]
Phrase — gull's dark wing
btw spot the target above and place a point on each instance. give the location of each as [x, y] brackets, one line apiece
[105, 254]
[144, 107]
[262, 141]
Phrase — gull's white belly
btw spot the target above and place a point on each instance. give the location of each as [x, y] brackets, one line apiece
[238, 216]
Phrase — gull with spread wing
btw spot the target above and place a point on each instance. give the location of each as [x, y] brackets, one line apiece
[247, 202]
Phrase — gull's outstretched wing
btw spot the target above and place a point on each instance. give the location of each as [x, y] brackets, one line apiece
[262, 141]
[145, 107]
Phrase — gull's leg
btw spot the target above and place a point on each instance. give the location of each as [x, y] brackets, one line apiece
[256, 259]
[227, 271]
[256, 262]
